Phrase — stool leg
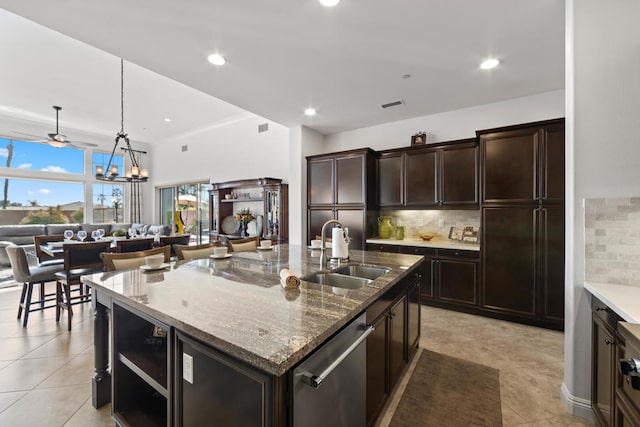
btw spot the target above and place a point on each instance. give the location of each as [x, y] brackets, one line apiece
[27, 305]
[42, 294]
[58, 300]
[21, 304]
[67, 291]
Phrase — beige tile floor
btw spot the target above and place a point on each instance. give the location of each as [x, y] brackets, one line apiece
[45, 371]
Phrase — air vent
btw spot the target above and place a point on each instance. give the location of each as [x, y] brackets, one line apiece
[263, 127]
[391, 104]
[185, 148]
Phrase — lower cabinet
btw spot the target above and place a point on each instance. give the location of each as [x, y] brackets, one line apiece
[627, 395]
[242, 393]
[393, 343]
[605, 353]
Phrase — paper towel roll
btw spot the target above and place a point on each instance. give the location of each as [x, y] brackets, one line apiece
[339, 248]
[288, 279]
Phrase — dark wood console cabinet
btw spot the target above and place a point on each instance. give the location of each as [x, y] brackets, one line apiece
[270, 197]
[341, 186]
[441, 175]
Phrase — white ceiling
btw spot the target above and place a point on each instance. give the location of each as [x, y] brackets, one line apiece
[282, 56]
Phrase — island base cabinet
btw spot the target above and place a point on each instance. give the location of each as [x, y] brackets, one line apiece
[376, 369]
[214, 390]
[137, 403]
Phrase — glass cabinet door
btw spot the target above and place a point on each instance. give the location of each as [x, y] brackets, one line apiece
[272, 213]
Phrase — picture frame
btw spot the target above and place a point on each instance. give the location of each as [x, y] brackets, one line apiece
[456, 233]
[419, 139]
[470, 234]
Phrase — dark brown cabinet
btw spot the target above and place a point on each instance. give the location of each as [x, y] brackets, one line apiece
[523, 164]
[434, 176]
[341, 186]
[522, 169]
[457, 281]
[627, 395]
[268, 197]
[604, 360]
[396, 319]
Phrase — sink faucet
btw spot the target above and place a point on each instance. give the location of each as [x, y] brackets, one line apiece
[323, 247]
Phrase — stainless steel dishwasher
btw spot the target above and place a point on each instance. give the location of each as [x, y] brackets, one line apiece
[330, 387]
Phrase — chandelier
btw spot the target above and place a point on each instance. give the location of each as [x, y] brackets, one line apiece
[135, 174]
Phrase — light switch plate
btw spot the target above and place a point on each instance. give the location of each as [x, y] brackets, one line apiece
[187, 368]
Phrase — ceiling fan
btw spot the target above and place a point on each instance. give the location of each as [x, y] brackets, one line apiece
[57, 139]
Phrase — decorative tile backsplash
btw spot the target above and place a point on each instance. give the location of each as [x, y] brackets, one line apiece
[439, 221]
[612, 241]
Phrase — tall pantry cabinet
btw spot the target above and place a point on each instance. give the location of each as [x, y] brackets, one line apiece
[522, 239]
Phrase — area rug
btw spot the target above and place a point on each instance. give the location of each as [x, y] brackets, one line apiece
[445, 391]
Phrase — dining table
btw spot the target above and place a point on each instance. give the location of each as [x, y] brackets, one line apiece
[55, 249]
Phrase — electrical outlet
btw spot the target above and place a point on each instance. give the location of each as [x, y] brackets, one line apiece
[187, 368]
[420, 222]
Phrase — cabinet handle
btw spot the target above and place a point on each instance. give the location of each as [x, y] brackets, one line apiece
[605, 309]
[608, 341]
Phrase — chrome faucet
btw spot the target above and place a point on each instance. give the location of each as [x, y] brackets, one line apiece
[323, 247]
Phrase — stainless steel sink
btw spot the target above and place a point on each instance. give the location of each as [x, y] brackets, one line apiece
[337, 280]
[363, 271]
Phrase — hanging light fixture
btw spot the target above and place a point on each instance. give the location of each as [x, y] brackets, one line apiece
[135, 174]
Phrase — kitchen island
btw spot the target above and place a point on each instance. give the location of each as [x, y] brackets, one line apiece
[235, 311]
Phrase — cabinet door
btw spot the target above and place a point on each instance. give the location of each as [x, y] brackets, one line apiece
[350, 180]
[509, 252]
[552, 164]
[509, 165]
[376, 369]
[602, 375]
[457, 281]
[420, 181]
[397, 341]
[354, 220]
[316, 219]
[552, 263]
[390, 179]
[320, 182]
[413, 317]
[459, 175]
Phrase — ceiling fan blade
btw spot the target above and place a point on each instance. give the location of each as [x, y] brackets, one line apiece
[40, 137]
[82, 143]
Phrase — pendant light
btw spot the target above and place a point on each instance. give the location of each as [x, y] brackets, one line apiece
[135, 174]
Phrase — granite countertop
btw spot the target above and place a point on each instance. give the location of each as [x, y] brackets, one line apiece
[622, 299]
[238, 306]
[437, 243]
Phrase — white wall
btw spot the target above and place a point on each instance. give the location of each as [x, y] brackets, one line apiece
[452, 125]
[223, 152]
[603, 90]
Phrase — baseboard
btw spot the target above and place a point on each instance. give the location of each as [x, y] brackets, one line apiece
[576, 406]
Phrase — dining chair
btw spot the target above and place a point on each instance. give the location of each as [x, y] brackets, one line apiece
[134, 245]
[28, 276]
[44, 258]
[244, 245]
[79, 259]
[114, 261]
[181, 239]
[184, 252]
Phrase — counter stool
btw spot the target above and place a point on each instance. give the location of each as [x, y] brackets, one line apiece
[29, 276]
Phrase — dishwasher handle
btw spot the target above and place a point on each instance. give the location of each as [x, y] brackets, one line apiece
[315, 380]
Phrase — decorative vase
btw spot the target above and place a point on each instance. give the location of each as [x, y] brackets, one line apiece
[384, 227]
[243, 229]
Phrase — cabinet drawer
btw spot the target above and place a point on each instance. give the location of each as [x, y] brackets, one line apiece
[383, 248]
[418, 250]
[604, 313]
[459, 254]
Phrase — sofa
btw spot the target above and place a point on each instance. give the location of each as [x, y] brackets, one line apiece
[22, 235]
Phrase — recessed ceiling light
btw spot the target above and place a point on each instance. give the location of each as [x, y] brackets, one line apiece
[489, 63]
[216, 59]
[310, 112]
[167, 119]
[329, 3]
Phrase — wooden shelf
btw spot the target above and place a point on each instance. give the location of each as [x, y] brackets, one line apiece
[242, 200]
[141, 371]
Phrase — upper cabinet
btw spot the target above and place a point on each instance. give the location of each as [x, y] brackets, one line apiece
[341, 186]
[442, 175]
[523, 164]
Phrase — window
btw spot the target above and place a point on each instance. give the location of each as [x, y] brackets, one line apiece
[108, 202]
[189, 203]
[40, 202]
[40, 157]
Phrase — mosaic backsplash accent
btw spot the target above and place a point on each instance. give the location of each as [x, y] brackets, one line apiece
[612, 241]
[439, 221]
